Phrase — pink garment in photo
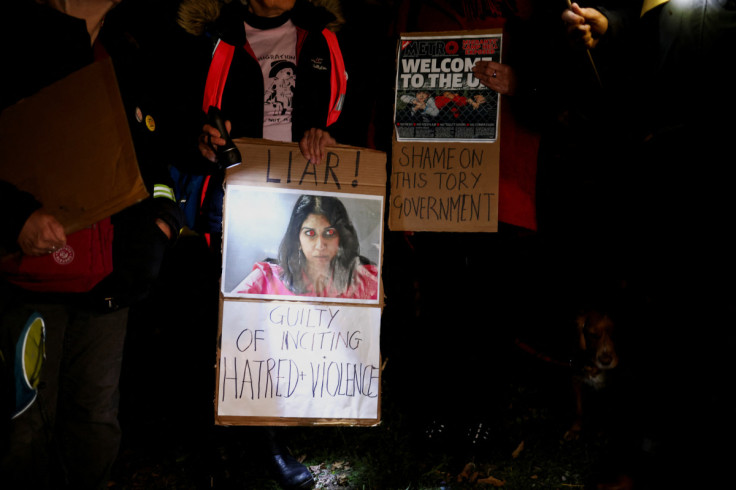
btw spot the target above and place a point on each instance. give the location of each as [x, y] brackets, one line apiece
[265, 279]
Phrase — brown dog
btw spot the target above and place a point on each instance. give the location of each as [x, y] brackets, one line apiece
[598, 357]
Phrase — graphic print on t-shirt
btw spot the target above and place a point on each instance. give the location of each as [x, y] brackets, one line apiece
[280, 88]
[275, 50]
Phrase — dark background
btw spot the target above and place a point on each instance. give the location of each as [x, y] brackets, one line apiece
[458, 307]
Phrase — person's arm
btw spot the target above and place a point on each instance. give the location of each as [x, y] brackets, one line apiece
[314, 143]
[28, 227]
[41, 234]
[210, 139]
[585, 26]
[621, 23]
[162, 208]
[496, 76]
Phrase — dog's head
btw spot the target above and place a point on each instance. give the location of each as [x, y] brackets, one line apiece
[595, 333]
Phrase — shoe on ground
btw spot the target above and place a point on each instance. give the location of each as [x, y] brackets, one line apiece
[290, 473]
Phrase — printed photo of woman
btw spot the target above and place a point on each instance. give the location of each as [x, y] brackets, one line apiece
[319, 256]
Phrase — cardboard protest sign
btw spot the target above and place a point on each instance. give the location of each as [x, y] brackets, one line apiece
[70, 146]
[297, 364]
[302, 253]
[281, 165]
[444, 187]
[445, 158]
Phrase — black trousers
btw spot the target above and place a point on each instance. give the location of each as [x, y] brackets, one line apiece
[69, 437]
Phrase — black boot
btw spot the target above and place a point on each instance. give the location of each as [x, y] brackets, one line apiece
[290, 473]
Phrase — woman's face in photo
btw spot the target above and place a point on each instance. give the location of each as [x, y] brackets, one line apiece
[319, 240]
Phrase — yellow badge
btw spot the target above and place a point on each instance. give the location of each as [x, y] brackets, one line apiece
[150, 123]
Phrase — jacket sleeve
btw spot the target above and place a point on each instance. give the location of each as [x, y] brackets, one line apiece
[40, 45]
[156, 143]
[17, 206]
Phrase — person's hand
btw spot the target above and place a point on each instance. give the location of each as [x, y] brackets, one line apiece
[585, 26]
[41, 234]
[313, 144]
[210, 139]
[496, 76]
[164, 227]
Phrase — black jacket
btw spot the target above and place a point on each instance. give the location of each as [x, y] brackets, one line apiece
[242, 101]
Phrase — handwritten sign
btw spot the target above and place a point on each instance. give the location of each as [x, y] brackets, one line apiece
[284, 362]
[444, 187]
[281, 165]
[445, 156]
[293, 351]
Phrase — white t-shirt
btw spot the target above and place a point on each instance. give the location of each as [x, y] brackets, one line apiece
[275, 50]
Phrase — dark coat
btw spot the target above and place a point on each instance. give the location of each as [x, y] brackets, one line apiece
[242, 100]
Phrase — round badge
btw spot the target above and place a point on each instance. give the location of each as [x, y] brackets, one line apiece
[150, 123]
[138, 114]
[64, 255]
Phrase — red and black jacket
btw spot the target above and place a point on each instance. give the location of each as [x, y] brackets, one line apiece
[235, 83]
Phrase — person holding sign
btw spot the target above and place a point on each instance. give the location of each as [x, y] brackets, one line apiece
[676, 148]
[261, 45]
[318, 256]
[258, 45]
[80, 285]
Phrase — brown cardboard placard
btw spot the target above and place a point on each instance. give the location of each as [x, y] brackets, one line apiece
[446, 149]
[281, 165]
[444, 187]
[307, 360]
[70, 146]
